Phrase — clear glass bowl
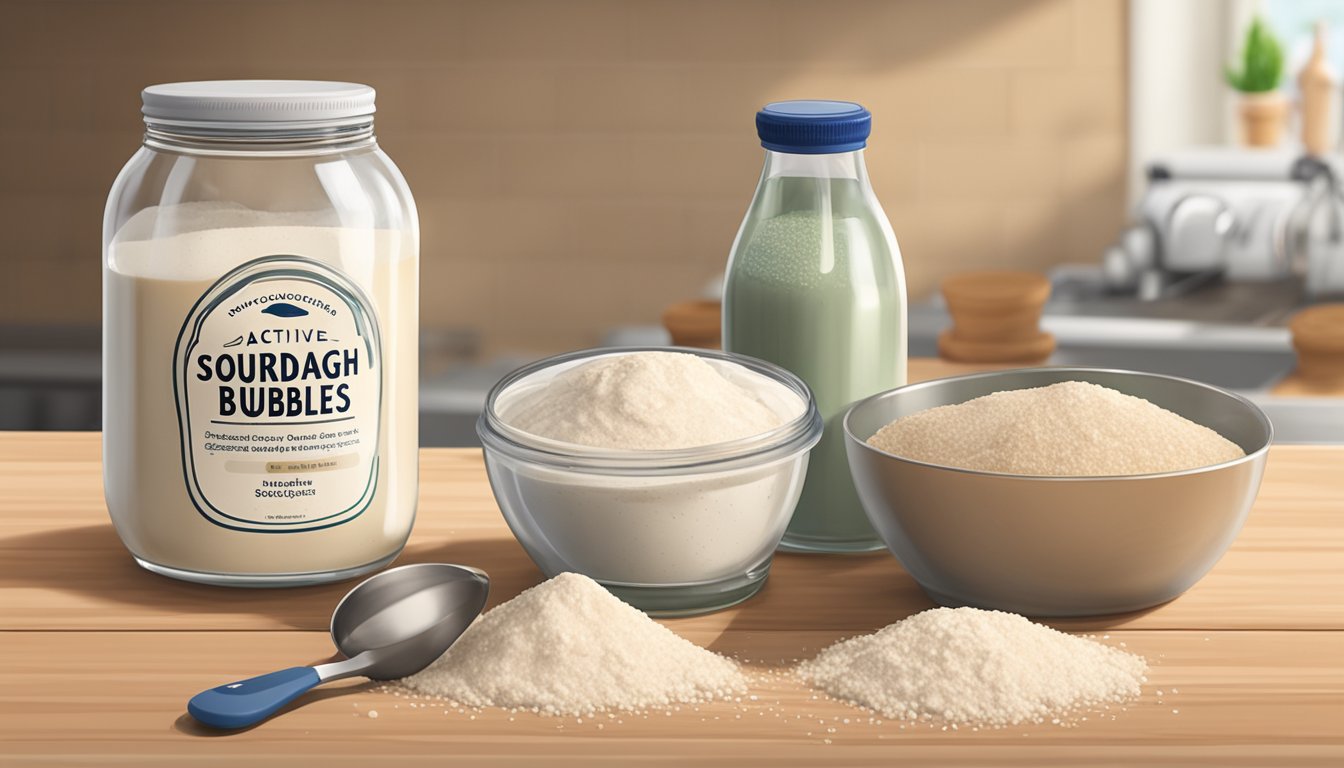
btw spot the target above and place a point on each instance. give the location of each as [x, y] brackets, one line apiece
[674, 532]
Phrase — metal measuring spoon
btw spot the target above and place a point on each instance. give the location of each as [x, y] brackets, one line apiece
[392, 625]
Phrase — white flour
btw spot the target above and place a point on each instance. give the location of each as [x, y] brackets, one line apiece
[643, 401]
[569, 647]
[648, 528]
[152, 284]
[1071, 428]
[968, 666]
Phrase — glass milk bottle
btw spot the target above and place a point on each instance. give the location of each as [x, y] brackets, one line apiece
[815, 284]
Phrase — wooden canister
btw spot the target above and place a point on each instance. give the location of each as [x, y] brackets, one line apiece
[695, 323]
[1318, 338]
[996, 318]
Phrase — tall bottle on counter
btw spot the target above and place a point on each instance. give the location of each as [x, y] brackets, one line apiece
[815, 284]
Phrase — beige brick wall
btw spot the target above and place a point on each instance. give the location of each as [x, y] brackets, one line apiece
[579, 165]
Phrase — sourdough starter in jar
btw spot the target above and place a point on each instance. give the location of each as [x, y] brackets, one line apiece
[260, 337]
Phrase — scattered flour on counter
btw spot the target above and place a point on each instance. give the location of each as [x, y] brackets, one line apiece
[975, 667]
[569, 647]
[644, 401]
[1072, 428]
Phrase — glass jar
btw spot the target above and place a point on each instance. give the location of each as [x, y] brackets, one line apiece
[672, 532]
[815, 284]
[260, 323]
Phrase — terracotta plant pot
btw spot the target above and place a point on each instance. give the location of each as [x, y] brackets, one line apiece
[1263, 118]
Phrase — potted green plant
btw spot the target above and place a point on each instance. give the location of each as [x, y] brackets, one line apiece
[1264, 110]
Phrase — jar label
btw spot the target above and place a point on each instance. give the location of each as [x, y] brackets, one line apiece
[277, 374]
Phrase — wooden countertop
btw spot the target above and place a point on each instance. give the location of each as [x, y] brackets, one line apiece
[100, 656]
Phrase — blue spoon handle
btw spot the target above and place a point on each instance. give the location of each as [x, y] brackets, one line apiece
[248, 702]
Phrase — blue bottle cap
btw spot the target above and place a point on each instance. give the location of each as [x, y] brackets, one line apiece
[814, 127]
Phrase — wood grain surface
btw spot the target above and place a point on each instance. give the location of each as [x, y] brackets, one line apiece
[100, 656]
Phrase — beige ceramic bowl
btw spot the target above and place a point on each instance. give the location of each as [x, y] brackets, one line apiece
[1057, 546]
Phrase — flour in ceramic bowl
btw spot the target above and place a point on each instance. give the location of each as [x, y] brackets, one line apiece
[1069, 429]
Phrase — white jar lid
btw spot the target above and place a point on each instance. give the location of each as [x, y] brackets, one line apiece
[274, 103]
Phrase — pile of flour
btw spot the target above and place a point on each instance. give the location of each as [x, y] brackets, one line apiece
[968, 666]
[569, 647]
[647, 401]
[1072, 428]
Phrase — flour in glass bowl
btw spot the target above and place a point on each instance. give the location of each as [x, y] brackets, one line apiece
[697, 526]
[644, 401]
